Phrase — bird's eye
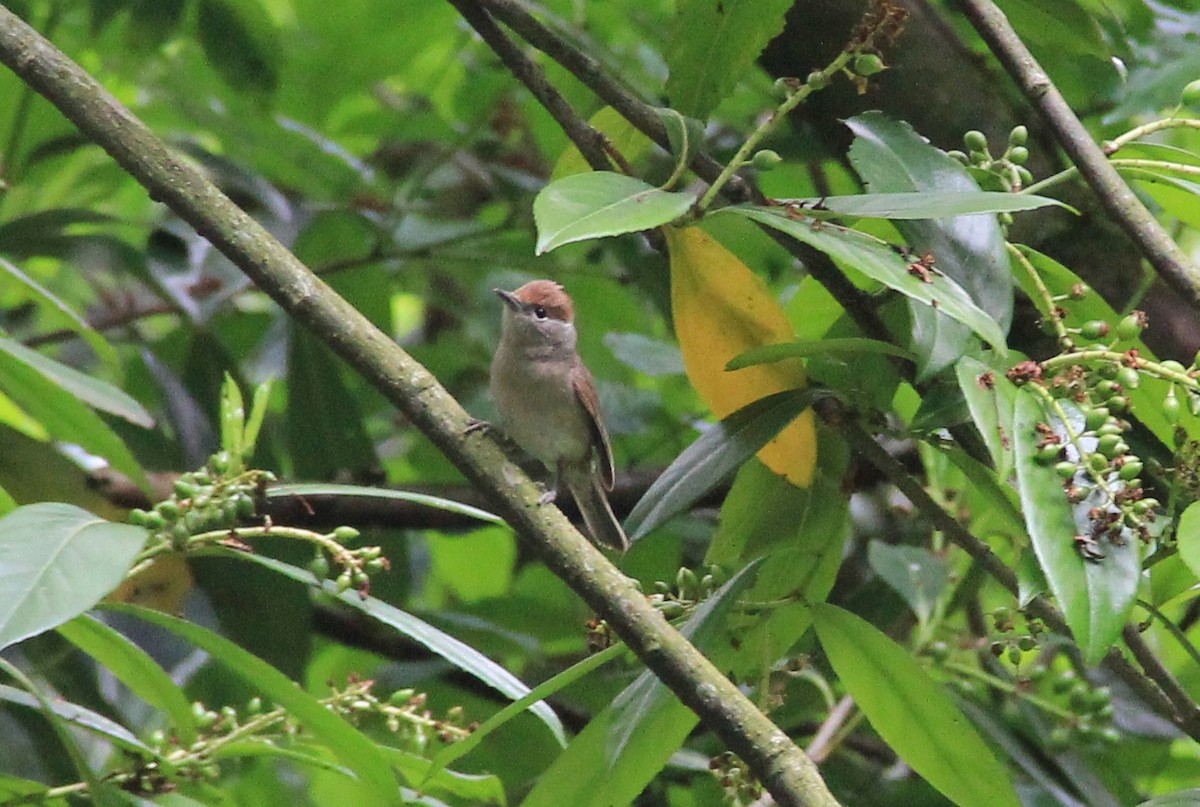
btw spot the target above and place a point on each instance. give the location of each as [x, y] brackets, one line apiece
[539, 312]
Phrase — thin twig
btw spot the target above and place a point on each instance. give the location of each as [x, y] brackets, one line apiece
[592, 144]
[1121, 203]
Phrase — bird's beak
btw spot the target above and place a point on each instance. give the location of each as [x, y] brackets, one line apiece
[509, 298]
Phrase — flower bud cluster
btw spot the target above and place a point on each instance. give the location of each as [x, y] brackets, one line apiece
[689, 591]
[1004, 173]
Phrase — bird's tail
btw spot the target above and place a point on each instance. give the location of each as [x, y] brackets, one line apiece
[598, 515]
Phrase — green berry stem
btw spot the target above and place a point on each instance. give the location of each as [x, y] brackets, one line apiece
[1138, 132]
[815, 80]
[1009, 688]
[1046, 305]
[1105, 356]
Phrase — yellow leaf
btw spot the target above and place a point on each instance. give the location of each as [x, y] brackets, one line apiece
[722, 309]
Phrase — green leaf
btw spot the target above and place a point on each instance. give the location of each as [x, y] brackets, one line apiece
[1096, 597]
[991, 399]
[652, 357]
[57, 561]
[601, 203]
[879, 261]
[712, 458]
[61, 413]
[419, 772]
[892, 158]
[713, 44]
[815, 347]
[542, 691]
[912, 712]
[1180, 798]
[233, 421]
[349, 744]
[241, 43]
[79, 717]
[133, 667]
[458, 653]
[95, 393]
[316, 489]
[53, 310]
[924, 204]
[916, 574]
[1188, 536]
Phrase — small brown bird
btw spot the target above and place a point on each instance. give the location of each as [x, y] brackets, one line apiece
[548, 402]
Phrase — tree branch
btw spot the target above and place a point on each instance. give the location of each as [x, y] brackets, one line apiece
[782, 767]
[1121, 203]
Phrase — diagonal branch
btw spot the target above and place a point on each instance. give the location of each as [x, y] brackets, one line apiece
[782, 767]
[1121, 203]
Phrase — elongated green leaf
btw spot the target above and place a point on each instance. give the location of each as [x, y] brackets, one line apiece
[78, 716]
[251, 747]
[878, 261]
[653, 357]
[990, 398]
[1188, 536]
[349, 744]
[1180, 798]
[912, 712]
[91, 391]
[240, 42]
[892, 158]
[1096, 596]
[419, 772]
[601, 203]
[57, 561]
[330, 489]
[815, 347]
[543, 690]
[20, 791]
[133, 667]
[713, 44]
[709, 460]
[56, 311]
[916, 574]
[925, 204]
[456, 652]
[63, 415]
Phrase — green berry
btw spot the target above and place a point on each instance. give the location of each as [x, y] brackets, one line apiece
[765, 160]
[868, 64]
[938, 651]
[319, 567]
[1130, 326]
[975, 140]
[1191, 94]
[1025, 175]
[1095, 329]
[1019, 136]
[1064, 681]
[184, 489]
[817, 80]
[1118, 403]
[1018, 155]
[1066, 469]
[1131, 470]
[784, 87]
[1096, 417]
[345, 534]
[343, 582]
[1048, 453]
[1171, 407]
[1128, 378]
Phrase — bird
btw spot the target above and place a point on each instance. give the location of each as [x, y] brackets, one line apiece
[548, 403]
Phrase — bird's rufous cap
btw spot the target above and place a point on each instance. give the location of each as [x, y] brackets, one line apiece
[550, 296]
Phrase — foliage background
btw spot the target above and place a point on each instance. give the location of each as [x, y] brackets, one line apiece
[382, 142]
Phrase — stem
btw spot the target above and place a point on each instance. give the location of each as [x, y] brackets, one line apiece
[1137, 133]
[767, 126]
[1116, 197]
[1046, 306]
[1010, 688]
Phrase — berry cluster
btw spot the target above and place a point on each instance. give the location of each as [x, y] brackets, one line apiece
[689, 591]
[203, 501]
[1005, 173]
